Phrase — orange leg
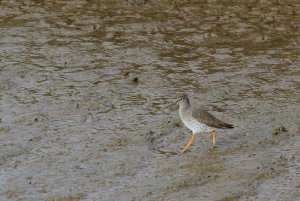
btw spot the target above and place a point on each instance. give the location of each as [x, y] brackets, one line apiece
[189, 144]
[213, 136]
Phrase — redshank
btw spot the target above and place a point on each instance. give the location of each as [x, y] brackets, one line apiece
[198, 120]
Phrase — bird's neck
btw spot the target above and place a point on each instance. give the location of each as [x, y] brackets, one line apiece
[184, 106]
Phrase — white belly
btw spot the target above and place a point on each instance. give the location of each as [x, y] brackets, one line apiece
[196, 126]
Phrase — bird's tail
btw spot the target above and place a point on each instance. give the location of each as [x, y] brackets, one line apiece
[228, 126]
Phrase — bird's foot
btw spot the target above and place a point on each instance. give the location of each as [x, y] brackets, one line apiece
[214, 136]
[189, 144]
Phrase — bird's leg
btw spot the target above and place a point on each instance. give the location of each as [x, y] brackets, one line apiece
[213, 136]
[189, 143]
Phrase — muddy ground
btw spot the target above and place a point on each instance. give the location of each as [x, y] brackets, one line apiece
[84, 86]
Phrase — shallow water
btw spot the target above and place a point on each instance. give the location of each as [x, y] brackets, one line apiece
[84, 86]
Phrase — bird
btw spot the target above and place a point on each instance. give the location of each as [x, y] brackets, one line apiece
[198, 120]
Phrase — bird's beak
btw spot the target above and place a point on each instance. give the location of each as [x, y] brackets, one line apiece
[172, 104]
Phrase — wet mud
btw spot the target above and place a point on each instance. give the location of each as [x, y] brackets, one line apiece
[85, 86]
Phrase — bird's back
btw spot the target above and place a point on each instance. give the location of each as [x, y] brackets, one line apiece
[208, 119]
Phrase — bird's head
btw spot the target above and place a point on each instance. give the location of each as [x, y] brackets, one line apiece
[183, 99]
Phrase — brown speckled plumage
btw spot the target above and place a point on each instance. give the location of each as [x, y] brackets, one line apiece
[208, 119]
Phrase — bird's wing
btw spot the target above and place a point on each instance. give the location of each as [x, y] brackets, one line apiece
[206, 118]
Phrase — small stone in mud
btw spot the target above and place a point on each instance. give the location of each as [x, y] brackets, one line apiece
[126, 73]
[148, 193]
[279, 130]
[177, 124]
[135, 79]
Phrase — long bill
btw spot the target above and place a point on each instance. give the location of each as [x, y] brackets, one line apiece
[171, 104]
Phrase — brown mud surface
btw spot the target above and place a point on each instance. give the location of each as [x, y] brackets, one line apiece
[84, 85]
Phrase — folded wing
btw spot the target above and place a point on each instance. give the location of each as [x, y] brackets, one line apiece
[206, 118]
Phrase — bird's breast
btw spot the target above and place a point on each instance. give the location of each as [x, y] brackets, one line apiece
[196, 126]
